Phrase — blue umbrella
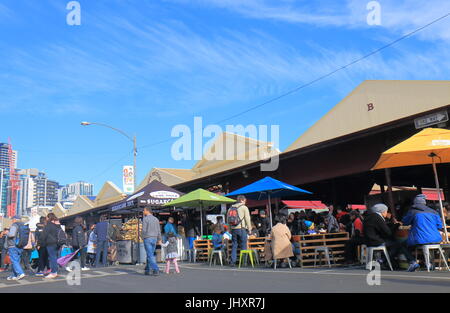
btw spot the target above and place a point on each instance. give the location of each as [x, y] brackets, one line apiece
[268, 188]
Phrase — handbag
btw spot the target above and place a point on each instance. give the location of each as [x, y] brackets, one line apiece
[7, 260]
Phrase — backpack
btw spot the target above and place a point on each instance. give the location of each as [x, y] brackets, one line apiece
[233, 217]
[61, 238]
[23, 235]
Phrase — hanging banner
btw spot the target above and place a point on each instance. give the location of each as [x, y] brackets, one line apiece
[128, 179]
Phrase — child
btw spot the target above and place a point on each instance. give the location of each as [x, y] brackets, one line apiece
[171, 246]
[217, 239]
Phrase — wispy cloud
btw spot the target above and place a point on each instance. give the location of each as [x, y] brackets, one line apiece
[397, 15]
[168, 68]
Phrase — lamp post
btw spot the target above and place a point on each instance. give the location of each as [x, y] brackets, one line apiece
[132, 139]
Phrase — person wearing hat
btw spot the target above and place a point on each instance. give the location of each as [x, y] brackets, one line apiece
[425, 223]
[14, 252]
[378, 232]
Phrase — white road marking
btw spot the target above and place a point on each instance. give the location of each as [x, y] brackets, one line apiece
[59, 279]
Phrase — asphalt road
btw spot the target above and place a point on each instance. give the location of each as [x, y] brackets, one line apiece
[200, 278]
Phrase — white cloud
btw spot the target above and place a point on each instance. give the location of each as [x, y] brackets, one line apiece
[397, 15]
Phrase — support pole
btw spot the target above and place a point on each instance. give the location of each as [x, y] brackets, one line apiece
[438, 190]
[387, 172]
[201, 220]
[270, 211]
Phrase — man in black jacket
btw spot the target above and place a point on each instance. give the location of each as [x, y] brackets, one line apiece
[262, 224]
[41, 248]
[378, 232]
[79, 242]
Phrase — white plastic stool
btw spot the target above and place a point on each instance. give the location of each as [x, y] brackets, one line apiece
[213, 253]
[326, 251]
[363, 255]
[370, 251]
[426, 254]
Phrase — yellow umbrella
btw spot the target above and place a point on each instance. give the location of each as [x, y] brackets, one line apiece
[429, 146]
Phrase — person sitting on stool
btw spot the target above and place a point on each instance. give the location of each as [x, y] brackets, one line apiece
[377, 232]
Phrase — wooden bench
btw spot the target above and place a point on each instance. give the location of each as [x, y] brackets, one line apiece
[335, 241]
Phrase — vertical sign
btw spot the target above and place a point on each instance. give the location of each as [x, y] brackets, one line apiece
[128, 179]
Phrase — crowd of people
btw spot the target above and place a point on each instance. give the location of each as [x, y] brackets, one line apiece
[376, 227]
[18, 243]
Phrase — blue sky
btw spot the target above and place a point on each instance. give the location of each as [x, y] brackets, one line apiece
[146, 65]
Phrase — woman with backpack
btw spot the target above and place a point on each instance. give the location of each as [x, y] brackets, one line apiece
[53, 236]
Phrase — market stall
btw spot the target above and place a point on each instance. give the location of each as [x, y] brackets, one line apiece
[130, 247]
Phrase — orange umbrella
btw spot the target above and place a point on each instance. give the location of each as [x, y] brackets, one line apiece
[429, 146]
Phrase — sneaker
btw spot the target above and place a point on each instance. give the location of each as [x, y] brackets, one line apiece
[147, 273]
[40, 274]
[20, 276]
[155, 273]
[47, 272]
[85, 269]
[11, 278]
[412, 267]
[68, 269]
[51, 276]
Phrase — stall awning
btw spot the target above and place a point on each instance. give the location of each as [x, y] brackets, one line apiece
[317, 205]
[155, 194]
[433, 195]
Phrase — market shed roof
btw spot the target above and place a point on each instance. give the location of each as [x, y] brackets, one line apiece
[374, 103]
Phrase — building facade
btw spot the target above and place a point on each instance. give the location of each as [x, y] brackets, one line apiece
[67, 194]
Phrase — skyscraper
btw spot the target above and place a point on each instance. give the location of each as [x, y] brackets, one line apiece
[4, 157]
[68, 193]
[36, 190]
[4, 176]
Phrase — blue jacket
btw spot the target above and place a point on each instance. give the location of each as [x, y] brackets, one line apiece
[217, 240]
[425, 224]
[170, 228]
[101, 230]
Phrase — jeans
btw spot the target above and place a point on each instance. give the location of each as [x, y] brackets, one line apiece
[150, 246]
[191, 242]
[102, 249]
[25, 259]
[2, 262]
[15, 255]
[238, 236]
[53, 256]
[43, 259]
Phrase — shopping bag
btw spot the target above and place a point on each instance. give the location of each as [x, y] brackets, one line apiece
[112, 253]
[63, 261]
[7, 260]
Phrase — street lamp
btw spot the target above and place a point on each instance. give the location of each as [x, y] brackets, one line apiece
[132, 139]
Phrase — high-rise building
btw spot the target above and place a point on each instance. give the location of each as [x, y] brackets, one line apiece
[68, 193]
[4, 156]
[3, 192]
[36, 190]
[46, 191]
[4, 176]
